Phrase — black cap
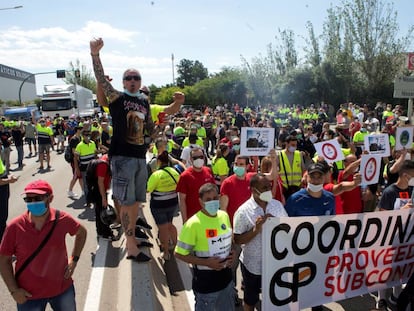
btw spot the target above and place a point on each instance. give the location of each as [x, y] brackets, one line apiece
[316, 168]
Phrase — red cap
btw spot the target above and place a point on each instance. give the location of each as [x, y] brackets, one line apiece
[38, 187]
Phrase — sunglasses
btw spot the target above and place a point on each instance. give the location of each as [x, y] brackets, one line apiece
[37, 198]
[198, 157]
[135, 78]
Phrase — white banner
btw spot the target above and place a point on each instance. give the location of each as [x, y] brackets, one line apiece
[309, 261]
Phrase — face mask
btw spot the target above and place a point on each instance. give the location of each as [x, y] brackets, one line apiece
[411, 182]
[168, 133]
[292, 149]
[266, 196]
[299, 136]
[239, 170]
[37, 208]
[131, 94]
[236, 147]
[363, 130]
[315, 188]
[325, 137]
[212, 207]
[198, 163]
[233, 137]
[313, 139]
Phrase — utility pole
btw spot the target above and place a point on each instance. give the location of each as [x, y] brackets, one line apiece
[172, 63]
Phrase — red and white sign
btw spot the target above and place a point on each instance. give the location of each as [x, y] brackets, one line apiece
[410, 61]
[330, 150]
[370, 168]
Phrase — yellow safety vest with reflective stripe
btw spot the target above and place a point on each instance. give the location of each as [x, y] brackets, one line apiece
[294, 172]
[2, 168]
[86, 153]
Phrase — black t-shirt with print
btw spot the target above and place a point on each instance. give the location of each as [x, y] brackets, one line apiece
[130, 117]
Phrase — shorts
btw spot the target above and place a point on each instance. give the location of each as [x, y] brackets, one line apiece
[72, 165]
[60, 138]
[252, 286]
[30, 141]
[45, 148]
[164, 215]
[129, 179]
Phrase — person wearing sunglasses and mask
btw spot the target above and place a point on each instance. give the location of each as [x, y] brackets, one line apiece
[248, 222]
[205, 241]
[48, 276]
[133, 131]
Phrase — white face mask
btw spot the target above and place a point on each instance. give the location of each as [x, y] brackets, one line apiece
[411, 182]
[266, 196]
[198, 163]
[315, 188]
[292, 149]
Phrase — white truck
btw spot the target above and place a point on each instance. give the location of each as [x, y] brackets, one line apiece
[66, 99]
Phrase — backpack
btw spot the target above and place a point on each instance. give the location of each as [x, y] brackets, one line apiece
[91, 177]
[68, 154]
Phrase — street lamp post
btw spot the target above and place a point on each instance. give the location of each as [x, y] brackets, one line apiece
[27, 78]
[12, 8]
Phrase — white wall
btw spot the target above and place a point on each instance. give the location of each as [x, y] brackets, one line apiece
[10, 81]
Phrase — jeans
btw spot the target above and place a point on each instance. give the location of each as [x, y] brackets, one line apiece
[222, 300]
[63, 302]
[20, 155]
[4, 207]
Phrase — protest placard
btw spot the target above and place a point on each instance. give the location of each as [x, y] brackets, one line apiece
[330, 150]
[370, 169]
[256, 141]
[377, 144]
[404, 137]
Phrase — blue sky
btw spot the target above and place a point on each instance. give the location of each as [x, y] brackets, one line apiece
[46, 35]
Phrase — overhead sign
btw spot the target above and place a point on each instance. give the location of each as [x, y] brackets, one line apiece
[404, 87]
[410, 58]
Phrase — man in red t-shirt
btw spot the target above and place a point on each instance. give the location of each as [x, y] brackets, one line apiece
[190, 182]
[351, 200]
[48, 276]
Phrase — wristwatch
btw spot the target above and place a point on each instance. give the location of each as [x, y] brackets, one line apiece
[75, 258]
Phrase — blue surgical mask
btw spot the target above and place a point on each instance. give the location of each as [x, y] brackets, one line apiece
[239, 170]
[236, 147]
[37, 208]
[212, 207]
[136, 94]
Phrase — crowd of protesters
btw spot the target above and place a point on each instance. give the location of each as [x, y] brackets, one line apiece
[193, 148]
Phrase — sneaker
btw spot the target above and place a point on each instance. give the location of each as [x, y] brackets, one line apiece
[142, 223]
[140, 234]
[115, 225]
[71, 194]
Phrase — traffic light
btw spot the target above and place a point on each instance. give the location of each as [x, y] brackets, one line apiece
[60, 73]
[77, 73]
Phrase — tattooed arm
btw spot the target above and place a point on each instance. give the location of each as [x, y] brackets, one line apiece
[96, 45]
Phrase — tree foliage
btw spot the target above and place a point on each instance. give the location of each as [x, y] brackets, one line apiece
[85, 79]
[190, 72]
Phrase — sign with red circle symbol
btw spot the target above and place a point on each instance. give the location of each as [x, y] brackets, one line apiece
[329, 151]
[370, 170]
[410, 61]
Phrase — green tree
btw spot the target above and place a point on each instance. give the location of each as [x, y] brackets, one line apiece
[190, 72]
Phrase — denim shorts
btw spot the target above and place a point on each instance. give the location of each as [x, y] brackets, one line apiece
[129, 179]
